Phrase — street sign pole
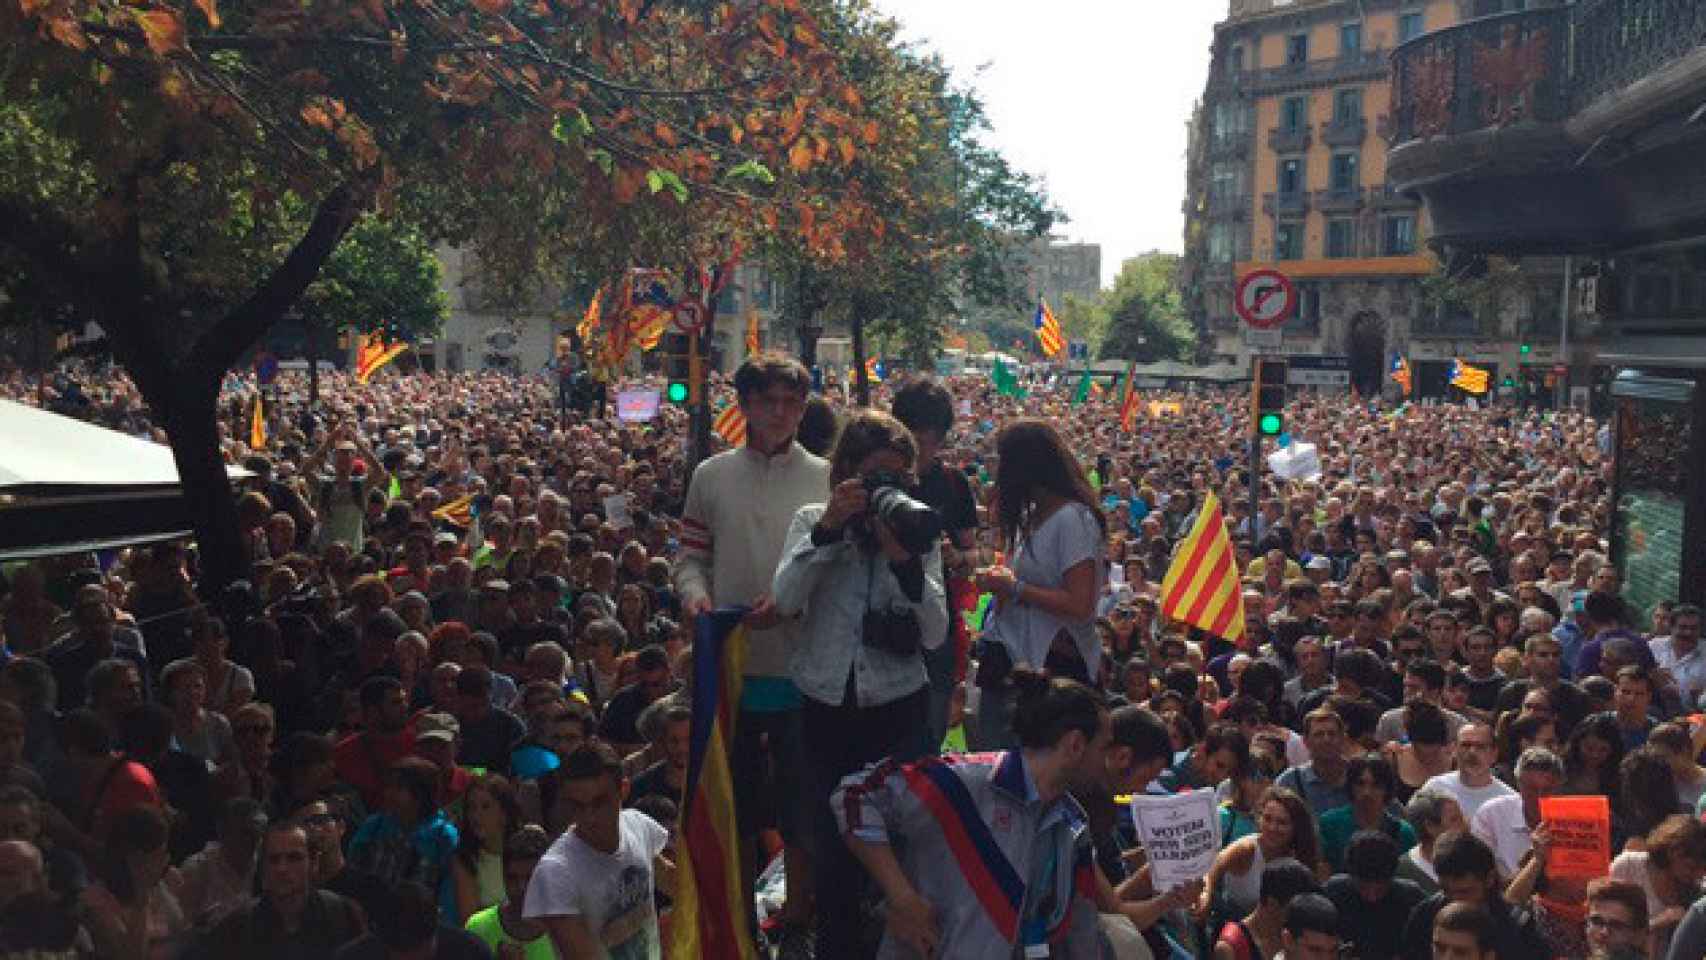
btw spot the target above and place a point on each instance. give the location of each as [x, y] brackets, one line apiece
[1264, 299]
[1255, 455]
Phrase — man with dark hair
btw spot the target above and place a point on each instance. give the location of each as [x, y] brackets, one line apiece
[1463, 931]
[668, 777]
[1311, 929]
[291, 918]
[504, 924]
[1373, 903]
[1424, 679]
[592, 889]
[620, 725]
[361, 759]
[1263, 930]
[1321, 781]
[1542, 667]
[1469, 874]
[1617, 922]
[1223, 751]
[927, 409]
[1633, 704]
[740, 504]
[1604, 620]
[97, 637]
[487, 733]
[410, 929]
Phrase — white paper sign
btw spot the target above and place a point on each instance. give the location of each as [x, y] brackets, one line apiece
[637, 406]
[1180, 834]
[1299, 461]
[616, 511]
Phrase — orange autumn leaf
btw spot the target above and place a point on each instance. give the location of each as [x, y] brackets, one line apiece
[870, 131]
[316, 116]
[736, 134]
[163, 29]
[665, 135]
[800, 157]
[820, 148]
[846, 146]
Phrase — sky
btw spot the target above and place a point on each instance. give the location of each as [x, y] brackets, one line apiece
[1090, 95]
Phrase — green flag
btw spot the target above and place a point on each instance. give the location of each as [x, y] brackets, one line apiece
[1005, 383]
[1083, 392]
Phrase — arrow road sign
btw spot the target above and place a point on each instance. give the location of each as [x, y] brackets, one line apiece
[1265, 298]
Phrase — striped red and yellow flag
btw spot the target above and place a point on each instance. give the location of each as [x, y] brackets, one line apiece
[1129, 402]
[753, 344]
[1202, 587]
[371, 353]
[730, 425]
[258, 426]
[1048, 331]
[710, 909]
[459, 511]
[1469, 377]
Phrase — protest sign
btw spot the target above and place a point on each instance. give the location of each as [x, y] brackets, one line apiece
[1581, 836]
[616, 511]
[1179, 833]
[637, 406]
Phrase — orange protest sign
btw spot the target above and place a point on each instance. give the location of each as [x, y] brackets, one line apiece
[1581, 836]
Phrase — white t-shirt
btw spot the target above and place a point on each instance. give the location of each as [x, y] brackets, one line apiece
[1501, 823]
[1469, 798]
[610, 892]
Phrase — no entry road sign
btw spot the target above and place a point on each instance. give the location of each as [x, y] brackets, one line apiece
[1265, 298]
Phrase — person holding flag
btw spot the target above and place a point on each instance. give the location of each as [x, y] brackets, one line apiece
[341, 498]
[1051, 526]
[1049, 336]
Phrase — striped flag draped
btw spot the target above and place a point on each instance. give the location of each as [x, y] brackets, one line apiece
[1470, 378]
[371, 353]
[1201, 587]
[1048, 331]
[752, 342]
[730, 425]
[1129, 401]
[710, 913]
[1401, 373]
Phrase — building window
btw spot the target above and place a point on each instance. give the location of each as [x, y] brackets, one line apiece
[1341, 238]
[1350, 39]
[1347, 105]
[1344, 172]
[1297, 49]
[1220, 243]
[1288, 241]
[1410, 26]
[1400, 236]
[1290, 176]
[1235, 60]
[1294, 113]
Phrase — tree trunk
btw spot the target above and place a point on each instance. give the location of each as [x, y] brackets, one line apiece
[861, 380]
[192, 424]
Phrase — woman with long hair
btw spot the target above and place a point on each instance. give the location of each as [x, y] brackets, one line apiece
[1593, 755]
[634, 611]
[1050, 525]
[1285, 827]
[490, 813]
[1427, 755]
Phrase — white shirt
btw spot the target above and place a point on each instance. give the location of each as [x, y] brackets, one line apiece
[1631, 866]
[1469, 798]
[1500, 822]
[1689, 670]
[610, 892]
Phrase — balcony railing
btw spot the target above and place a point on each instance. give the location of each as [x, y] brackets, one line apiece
[1362, 65]
[1348, 132]
[1483, 74]
[1233, 205]
[1289, 139]
[1620, 41]
[1341, 200]
[1294, 204]
[1384, 197]
[1229, 146]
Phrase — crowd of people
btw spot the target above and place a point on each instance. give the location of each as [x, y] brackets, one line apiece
[447, 711]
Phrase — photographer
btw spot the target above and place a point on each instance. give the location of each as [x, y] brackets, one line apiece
[864, 571]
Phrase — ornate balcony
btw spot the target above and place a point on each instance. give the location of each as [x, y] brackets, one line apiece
[1289, 139]
[1294, 204]
[1484, 74]
[1345, 133]
[1342, 200]
[1362, 65]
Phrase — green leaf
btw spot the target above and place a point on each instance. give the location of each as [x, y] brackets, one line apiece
[659, 179]
[571, 129]
[751, 170]
[602, 157]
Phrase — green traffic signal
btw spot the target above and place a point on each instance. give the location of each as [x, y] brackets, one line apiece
[677, 392]
[1525, 349]
[1271, 424]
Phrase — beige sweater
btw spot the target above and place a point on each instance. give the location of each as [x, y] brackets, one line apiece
[739, 505]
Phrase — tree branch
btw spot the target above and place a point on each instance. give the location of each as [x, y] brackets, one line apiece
[219, 348]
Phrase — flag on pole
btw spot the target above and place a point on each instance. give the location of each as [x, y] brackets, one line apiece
[1470, 378]
[875, 370]
[1129, 402]
[752, 343]
[1005, 383]
[1201, 587]
[730, 425]
[710, 918]
[258, 426]
[371, 353]
[1082, 394]
[593, 317]
[1401, 373]
[1048, 331]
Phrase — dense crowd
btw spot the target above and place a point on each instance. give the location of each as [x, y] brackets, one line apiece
[447, 712]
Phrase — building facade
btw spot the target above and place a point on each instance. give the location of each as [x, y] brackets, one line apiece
[1053, 269]
[1288, 170]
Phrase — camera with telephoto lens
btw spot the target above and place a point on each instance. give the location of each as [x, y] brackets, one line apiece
[915, 525]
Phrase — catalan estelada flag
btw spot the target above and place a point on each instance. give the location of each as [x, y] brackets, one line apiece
[459, 511]
[710, 918]
[1202, 587]
[593, 318]
[1470, 378]
[730, 425]
[876, 370]
[1401, 374]
[1129, 402]
[258, 426]
[1048, 331]
[371, 353]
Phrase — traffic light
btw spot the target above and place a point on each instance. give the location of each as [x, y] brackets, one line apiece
[1525, 349]
[673, 351]
[1268, 397]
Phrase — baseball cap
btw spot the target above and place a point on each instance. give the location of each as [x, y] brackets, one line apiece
[437, 726]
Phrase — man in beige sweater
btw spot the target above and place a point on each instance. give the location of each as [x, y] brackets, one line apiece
[739, 505]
